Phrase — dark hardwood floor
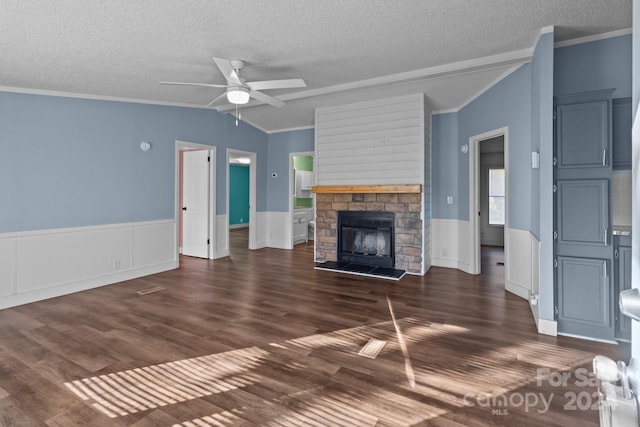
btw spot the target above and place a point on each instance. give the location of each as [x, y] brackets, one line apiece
[261, 338]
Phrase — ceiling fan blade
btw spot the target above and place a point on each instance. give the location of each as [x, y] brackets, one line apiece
[227, 71]
[276, 84]
[222, 95]
[266, 98]
[192, 84]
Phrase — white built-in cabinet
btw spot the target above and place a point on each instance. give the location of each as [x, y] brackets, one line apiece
[304, 182]
[301, 218]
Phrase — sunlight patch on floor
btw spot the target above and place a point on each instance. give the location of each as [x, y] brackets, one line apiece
[140, 389]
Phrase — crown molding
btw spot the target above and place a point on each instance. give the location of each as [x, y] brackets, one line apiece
[271, 132]
[597, 37]
[453, 69]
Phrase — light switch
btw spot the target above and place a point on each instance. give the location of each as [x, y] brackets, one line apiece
[449, 200]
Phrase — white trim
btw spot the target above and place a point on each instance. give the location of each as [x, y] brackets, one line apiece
[449, 111]
[213, 235]
[517, 57]
[43, 92]
[563, 334]
[474, 196]
[46, 231]
[593, 38]
[548, 327]
[543, 31]
[289, 129]
[253, 166]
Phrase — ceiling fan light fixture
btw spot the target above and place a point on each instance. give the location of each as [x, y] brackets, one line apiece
[238, 95]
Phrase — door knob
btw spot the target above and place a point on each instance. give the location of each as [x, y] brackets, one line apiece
[184, 208]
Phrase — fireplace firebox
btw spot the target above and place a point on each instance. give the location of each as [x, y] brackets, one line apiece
[366, 238]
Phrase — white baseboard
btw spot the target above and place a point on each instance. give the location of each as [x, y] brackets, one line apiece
[46, 263]
[543, 326]
[450, 263]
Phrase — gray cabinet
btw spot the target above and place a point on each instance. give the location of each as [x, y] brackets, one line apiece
[622, 122]
[583, 212]
[583, 135]
[585, 297]
[583, 248]
[622, 273]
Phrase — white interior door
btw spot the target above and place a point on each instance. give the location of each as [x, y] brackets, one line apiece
[195, 204]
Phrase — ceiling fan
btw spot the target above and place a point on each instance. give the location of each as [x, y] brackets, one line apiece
[239, 91]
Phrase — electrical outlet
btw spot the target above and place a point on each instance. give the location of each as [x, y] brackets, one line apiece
[443, 251]
[117, 265]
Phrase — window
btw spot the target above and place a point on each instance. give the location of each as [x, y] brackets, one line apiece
[496, 196]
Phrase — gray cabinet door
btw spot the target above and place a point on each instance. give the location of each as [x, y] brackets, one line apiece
[583, 252]
[584, 298]
[582, 213]
[622, 122]
[624, 282]
[583, 135]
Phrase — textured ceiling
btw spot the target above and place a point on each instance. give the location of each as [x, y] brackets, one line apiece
[346, 50]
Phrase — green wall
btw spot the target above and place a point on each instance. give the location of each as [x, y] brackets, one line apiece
[303, 163]
[238, 194]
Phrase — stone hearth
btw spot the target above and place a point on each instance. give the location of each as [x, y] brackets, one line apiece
[408, 225]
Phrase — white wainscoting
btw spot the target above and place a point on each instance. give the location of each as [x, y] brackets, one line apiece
[36, 265]
[521, 262]
[222, 228]
[261, 230]
[279, 230]
[449, 247]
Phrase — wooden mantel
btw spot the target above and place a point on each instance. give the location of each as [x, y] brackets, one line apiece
[400, 188]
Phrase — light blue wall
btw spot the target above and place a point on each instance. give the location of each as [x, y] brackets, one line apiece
[601, 64]
[238, 194]
[280, 145]
[542, 178]
[69, 162]
[444, 165]
[507, 104]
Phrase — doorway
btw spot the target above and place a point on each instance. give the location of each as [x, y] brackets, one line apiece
[495, 144]
[301, 198]
[492, 206]
[195, 199]
[247, 227]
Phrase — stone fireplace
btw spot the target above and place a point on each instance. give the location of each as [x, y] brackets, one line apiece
[403, 201]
